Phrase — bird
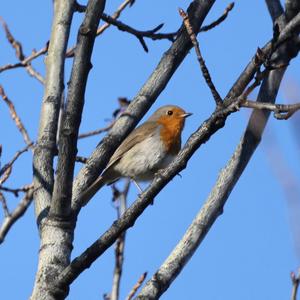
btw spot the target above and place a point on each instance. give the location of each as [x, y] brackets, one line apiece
[147, 149]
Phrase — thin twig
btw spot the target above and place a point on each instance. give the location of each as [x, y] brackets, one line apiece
[19, 52]
[15, 117]
[81, 159]
[203, 67]
[101, 29]
[120, 242]
[16, 192]
[295, 281]
[94, 132]
[219, 20]
[35, 54]
[136, 286]
[115, 16]
[4, 205]
[281, 111]
[15, 215]
[7, 168]
[140, 35]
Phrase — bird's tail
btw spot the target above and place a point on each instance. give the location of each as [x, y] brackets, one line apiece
[91, 190]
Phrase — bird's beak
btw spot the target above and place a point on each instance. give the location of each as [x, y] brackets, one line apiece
[185, 115]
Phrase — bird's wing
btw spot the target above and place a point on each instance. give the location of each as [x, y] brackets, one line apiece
[135, 137]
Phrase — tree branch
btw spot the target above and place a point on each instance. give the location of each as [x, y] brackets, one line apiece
[120, 196]
[136, 286]
[219, 20]
[201, 61]
[62, 191]
[10, 219]
[19, 52]
[140, 35]
[25, 62]
[295, 281]
[281, 111]
[5, 171]
[46, 144]
[15, 117]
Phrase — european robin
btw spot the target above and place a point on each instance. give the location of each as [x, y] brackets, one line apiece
[148, 148]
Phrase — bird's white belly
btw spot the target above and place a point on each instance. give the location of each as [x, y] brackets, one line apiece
[144, 159]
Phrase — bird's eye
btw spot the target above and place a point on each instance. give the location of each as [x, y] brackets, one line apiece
[170, 112]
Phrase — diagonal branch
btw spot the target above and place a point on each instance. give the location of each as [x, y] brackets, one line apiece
[19, 52]
[15, 215]
[5, 171]
[203, 67]
[15, 117]
[102, 28]
[219, 20]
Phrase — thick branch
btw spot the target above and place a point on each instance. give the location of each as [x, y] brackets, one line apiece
[62, 193]
[46, 143]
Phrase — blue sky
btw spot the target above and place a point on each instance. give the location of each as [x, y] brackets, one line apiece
[251, 249]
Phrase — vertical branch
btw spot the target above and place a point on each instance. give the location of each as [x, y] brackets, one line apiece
[46, 143]
[62, 191]
[120, 243]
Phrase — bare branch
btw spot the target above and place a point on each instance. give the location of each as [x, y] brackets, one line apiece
[102, 28]
[275, 9]
[219, 20]
[15, 117]
[140, 35]
[16, 192]
[15, 215]
[95, 132]
[285, 34]
[27, 60]
[136, 286]
[4, 205]
[115, 15]
[62, 191]
[295, 281]
[46, 144]
[120, 196]
[19, 52]
[203, 67]
[281, 111]
[7, 168]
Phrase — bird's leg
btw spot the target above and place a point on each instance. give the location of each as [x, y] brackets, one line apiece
[137, 185]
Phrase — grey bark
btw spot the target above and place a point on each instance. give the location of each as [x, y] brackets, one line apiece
[52, 246]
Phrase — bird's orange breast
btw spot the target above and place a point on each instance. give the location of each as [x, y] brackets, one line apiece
[170, 134]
